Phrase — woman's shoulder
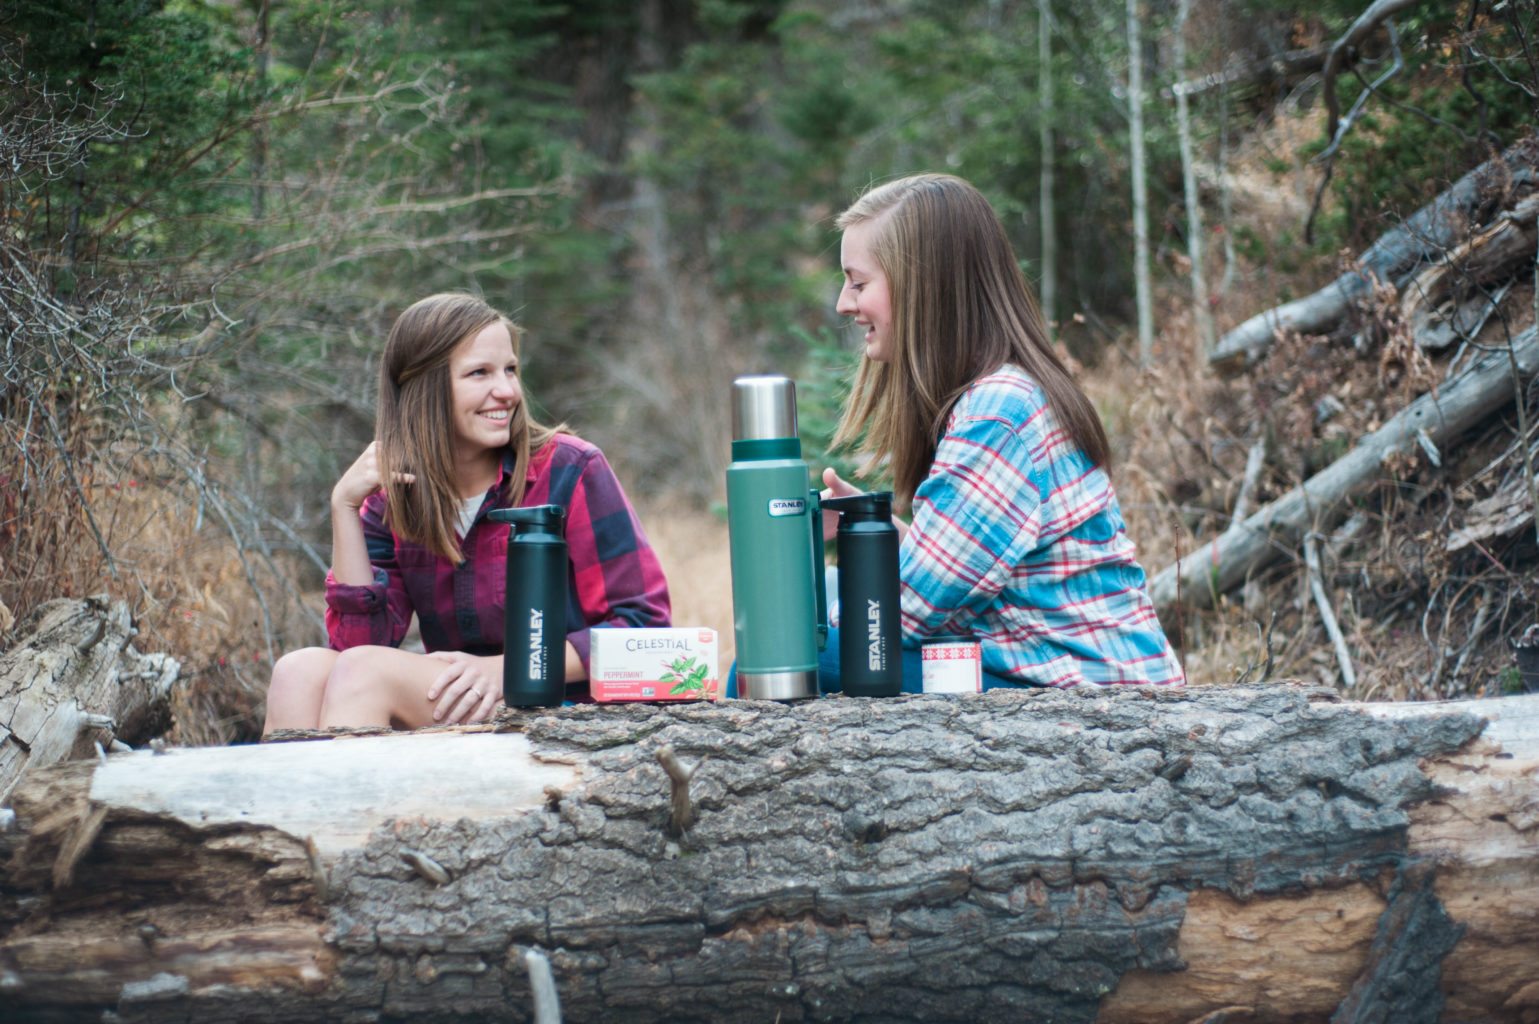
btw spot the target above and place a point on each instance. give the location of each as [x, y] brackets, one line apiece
[571, 445]
[1008, 393]
[564, 453]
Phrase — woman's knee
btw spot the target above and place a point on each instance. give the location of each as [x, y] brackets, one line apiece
[356, 672]
[371, 682]
[298, 682]
[303, 669]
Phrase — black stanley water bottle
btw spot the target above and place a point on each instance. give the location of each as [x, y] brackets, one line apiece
[534, 619]
[869, 629]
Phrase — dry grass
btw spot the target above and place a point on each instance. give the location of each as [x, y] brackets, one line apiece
[180, 574]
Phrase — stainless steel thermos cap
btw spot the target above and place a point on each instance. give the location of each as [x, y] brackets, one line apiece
[763, 408]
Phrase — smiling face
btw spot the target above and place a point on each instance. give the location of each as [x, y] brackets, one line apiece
[485, 392]
[866, 297]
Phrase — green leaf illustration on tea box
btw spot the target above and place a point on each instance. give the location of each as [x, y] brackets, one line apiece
[686, 674]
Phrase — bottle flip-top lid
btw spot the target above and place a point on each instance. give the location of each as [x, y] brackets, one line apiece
[870, 507]
[763, 408]
[532, 519]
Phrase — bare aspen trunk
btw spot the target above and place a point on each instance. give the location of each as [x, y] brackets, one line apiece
[1045, 154]
[1144, 297]
[1201, 313]
[1121, 855]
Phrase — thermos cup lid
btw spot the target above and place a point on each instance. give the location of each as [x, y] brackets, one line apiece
[763, 408]
[870, 507]
[533, 518]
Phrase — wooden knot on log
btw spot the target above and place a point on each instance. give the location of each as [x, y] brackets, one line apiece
[864, 828]
[90, 640]
[426, 867]
[91, 720]
[681, 813]
[1174, 770]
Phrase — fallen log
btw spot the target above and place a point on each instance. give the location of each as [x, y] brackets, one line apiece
[1276, 528]
[1123, 855]
[73, 680]
[1396, 257]
[1449, 298]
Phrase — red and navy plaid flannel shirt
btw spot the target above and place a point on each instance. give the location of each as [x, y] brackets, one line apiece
[615, 578]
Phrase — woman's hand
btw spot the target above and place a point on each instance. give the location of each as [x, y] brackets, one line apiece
[361, 480]
[467, 689]
[834, 486]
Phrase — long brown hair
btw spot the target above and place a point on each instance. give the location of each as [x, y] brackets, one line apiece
[961, 308]
[414, 424]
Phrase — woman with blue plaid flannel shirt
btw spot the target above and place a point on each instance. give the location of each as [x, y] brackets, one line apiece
[1016, 537]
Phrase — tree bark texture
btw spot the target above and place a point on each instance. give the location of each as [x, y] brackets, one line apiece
[1123, 855]
[1397, 257]
[72, 680]
[1224, 562]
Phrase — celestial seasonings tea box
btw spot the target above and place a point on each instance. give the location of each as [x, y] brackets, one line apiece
[653, 664]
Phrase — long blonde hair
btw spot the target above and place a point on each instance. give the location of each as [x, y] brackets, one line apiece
[961, 308]
[414, 424]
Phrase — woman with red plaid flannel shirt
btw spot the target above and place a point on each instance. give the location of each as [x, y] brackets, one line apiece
[410, 535]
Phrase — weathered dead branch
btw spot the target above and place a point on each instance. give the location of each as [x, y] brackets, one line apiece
[1397, 257]
[1223, 563]
[1377, 13]
[72, 679]
[1450, 300]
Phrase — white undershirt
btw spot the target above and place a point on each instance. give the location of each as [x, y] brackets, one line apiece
[468, 509]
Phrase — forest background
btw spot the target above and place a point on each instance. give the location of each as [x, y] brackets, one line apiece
[211, 212]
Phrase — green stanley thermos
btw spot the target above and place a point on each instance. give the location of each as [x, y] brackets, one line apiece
[776, 535]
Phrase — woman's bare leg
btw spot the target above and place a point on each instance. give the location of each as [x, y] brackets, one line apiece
[298, 684]
[380, 686]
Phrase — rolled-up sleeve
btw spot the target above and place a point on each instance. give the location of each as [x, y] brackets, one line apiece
[377, 613]
[976, 517]
[618, 576]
